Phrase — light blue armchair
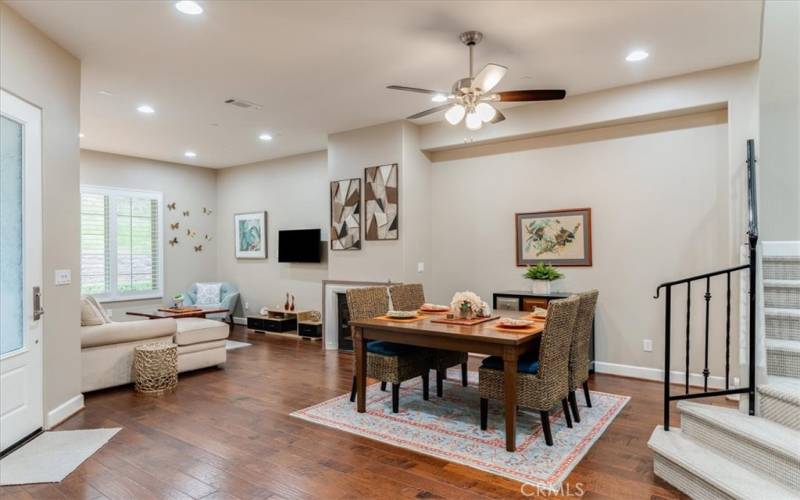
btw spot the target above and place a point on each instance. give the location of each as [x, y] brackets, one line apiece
[229, 298]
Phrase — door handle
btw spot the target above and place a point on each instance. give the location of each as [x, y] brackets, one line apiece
[38, 310]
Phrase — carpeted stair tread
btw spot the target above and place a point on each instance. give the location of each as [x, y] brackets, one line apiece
[769, 434]
[791, 346]
[723, 473]
[783, 388]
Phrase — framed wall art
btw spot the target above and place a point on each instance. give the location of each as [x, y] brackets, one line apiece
[557, 237]
[346, 214]
[380, 202]
[251, 235]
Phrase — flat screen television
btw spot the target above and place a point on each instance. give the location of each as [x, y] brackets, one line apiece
[300, 245]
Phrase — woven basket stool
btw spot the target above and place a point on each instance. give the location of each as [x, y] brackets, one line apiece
[155, 367]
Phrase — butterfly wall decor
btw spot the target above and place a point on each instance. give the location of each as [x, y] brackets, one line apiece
[198, 248]
[186, 213]
[207, 211]
[175, 226]
[191, 233]
[171, 206]
[173, 241]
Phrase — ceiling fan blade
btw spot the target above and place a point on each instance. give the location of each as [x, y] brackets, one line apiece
[530, 95]
[415, 89]
[429, 111]
[498, 117]
[489, 77]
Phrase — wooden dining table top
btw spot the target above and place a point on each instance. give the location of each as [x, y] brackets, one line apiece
[482, 332]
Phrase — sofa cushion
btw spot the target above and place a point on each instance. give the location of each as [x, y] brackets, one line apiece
[126, 331]
[196, 330]
[106, 317]
[90, 314]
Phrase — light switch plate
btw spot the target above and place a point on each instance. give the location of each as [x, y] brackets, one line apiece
[63, 277]
[647, 345]
[420, 267]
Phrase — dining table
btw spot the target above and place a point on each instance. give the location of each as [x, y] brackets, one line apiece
[482, 338]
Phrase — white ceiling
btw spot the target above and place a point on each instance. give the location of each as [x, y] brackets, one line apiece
[321, 67]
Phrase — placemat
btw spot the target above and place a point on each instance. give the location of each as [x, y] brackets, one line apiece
[464, 322]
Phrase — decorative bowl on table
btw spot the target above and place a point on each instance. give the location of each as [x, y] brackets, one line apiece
[401, 314]
[539, 313]
[514, 323]
[434, 308]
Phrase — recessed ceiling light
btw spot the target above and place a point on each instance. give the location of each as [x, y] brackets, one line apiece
[81, 136]
[439, 98]
[265, 137]
[144, 108]
[189, 7]
[190, 154]
[637, 55]
[105, 92]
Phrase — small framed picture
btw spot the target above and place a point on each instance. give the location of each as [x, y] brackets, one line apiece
[251, 235]
[557, 237]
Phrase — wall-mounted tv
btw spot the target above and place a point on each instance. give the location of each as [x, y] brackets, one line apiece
[300, 245]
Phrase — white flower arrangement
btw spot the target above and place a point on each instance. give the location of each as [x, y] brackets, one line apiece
[476, 305]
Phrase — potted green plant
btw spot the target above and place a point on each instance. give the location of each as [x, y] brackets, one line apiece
[177, 300]
[542, 275]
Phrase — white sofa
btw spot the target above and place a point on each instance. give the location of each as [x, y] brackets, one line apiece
[107, 349]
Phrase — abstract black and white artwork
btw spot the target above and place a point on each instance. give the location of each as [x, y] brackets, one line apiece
[346, 214]
[380, 202]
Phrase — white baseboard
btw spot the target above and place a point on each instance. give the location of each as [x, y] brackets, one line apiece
[780, 248]
[240, 321]
[63, 411]
[642, 372]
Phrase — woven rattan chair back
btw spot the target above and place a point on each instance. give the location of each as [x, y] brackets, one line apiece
[408, 297]
[555, 346]
[365, 303]
[579, 352]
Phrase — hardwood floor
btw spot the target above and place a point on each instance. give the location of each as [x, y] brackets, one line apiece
[227, 433]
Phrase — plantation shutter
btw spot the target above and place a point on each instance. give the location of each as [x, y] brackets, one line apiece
[121, 254]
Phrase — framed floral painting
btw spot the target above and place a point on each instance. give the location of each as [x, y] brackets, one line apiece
[251, 235]
[557, 237]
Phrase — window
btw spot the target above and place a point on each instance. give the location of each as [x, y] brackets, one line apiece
[121, 231]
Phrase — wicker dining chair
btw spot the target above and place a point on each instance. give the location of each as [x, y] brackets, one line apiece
[579, 351]
[386, 361]
[410, 297]
[541, 382]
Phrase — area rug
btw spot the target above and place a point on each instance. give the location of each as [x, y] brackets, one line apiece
[52, 456]
[234, 344]
[449, 428]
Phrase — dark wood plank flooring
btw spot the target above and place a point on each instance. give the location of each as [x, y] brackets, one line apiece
[227, 433]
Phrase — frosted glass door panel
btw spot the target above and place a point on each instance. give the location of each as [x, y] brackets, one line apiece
[11, 331]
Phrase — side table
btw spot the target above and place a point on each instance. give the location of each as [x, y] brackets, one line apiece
[155, 367]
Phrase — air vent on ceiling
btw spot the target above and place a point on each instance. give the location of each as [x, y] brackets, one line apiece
[241, 103]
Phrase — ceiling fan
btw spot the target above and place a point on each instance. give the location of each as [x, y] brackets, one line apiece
[470, 97]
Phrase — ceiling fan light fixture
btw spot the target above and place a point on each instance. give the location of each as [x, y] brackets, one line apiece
[473, 121]
[439, 98]
[485, 111]
[455, 114]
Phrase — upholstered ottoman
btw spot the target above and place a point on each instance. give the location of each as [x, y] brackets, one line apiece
[201, 343]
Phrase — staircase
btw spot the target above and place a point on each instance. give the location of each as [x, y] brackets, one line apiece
[722, 452]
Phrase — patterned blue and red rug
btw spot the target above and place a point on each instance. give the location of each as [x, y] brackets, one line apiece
[448, 428]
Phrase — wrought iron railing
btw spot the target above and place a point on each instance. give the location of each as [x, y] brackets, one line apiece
[752, 237]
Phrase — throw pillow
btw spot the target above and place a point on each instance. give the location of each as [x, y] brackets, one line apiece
[103, 312]
[208, 293]
[90, 316]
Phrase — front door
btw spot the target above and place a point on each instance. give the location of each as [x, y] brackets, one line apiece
[20, 269]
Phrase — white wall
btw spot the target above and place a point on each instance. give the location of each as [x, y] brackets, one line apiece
[36, 69]
[294, 193]
[660, 209]
[190, 188]
[779, 119]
